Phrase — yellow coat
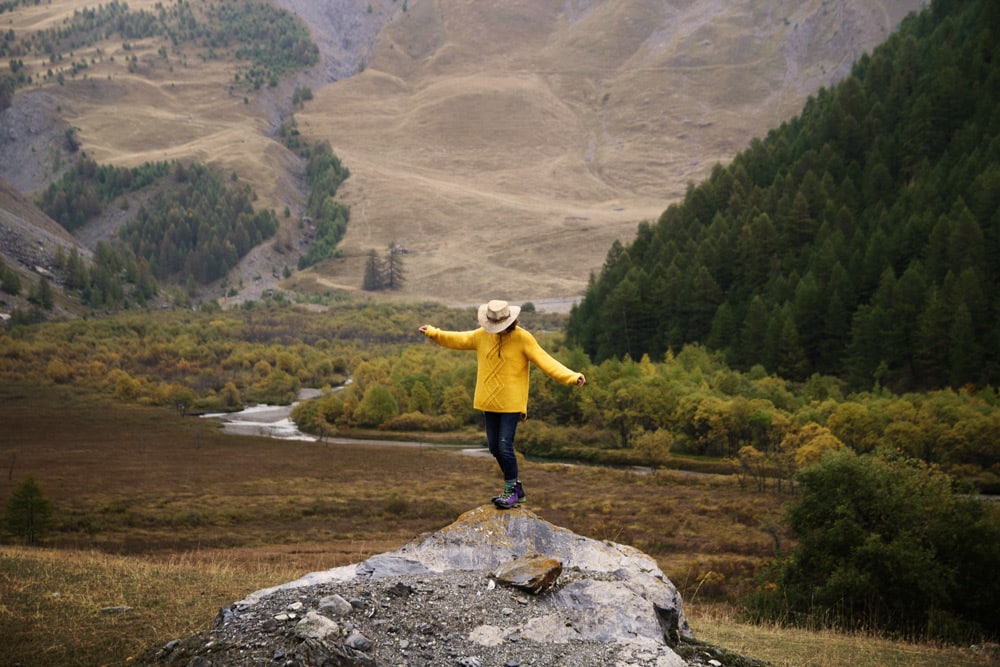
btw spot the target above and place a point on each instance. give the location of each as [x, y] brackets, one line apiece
[502, 375]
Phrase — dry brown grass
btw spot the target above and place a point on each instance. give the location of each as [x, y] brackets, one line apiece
[505, 144]
[59, 607]
[789, 647]
[146, 481]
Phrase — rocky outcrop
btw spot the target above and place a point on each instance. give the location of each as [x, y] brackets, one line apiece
[502, 588]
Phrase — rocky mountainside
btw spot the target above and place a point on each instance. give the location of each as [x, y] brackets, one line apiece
[28, 238]
[494, 589]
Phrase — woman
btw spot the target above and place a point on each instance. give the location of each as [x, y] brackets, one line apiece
[504, 351]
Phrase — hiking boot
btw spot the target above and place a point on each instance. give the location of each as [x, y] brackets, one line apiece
[520, 493]
[511, 496]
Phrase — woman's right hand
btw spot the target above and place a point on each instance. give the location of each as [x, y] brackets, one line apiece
[423, 329]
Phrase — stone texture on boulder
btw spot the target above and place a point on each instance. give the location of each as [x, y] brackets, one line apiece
[486, 537]
[572, 600]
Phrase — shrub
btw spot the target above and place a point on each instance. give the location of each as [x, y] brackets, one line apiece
[537, 438]
[885, 545]
[58, 371]
[376, 407]
[319, 415]
[418, 421]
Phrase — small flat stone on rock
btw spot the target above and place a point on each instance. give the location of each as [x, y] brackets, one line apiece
[534, 573]
[119, 609]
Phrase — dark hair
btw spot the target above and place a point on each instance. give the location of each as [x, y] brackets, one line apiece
[513, 325]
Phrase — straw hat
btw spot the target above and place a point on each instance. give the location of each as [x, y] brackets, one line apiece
[497, 315]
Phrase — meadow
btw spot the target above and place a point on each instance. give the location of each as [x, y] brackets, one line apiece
[160, 520]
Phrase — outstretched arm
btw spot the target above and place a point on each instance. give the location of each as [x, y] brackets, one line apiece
[551, 366]
[457, 340]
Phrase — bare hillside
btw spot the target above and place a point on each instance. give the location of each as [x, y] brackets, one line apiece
[506, 145]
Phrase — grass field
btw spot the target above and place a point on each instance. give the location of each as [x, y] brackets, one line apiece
[167, 516]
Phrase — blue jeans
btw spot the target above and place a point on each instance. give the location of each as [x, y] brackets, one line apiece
[500, 429]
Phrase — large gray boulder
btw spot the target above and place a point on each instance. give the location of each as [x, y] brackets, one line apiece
[497, 587]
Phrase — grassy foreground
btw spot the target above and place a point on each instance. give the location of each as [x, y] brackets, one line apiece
[161, 520]
[64, 607]
[790, 647]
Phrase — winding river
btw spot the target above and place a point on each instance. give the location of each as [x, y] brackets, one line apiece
[275, 421]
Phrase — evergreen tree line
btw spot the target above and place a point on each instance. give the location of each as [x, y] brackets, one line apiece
[259, 32]
[201, 228]
[11, 5]
[196, 229]
[860, 239]
[324, 174]
[85, 28]
[40, 295]
[272, 39]
[115, 279]
[86, 189]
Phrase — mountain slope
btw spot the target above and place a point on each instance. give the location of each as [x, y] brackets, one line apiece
[507, 145]
[861, 239]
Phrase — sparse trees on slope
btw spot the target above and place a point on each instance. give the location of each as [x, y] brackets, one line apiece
[384, 273]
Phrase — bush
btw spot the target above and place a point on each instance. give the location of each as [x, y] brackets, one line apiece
[318, 416]
[418, 421]
[537, 438]
[886, 545]
[377, 407]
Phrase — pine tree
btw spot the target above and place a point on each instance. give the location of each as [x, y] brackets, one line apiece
[374, 279]
[10, 279]
[42, 294]
[76, 271]
[394, 274]
[29, 512]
